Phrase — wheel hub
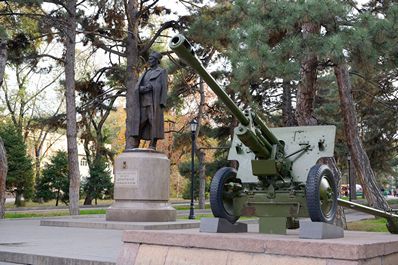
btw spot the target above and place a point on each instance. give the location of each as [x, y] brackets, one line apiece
[326, 196]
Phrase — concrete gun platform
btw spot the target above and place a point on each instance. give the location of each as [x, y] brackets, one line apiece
[192, 247]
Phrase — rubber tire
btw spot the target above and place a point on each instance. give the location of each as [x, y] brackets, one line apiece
[313, 194]
[223, 175]
[392, 226]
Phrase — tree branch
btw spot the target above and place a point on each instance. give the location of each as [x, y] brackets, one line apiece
[108, 111]
[44, 88]
[146, 8]
[100, 44]
[166, 25]
[46, 55]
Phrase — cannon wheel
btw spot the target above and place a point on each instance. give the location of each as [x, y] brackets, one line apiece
[221, 200]
[321, 193]
[392, 226]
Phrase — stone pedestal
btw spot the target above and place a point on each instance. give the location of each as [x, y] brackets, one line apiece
[141, 188]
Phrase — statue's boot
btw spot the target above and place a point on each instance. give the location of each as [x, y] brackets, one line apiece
[136, 142]
[153, 143]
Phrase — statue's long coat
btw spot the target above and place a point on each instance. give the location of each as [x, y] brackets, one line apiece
[158, 80]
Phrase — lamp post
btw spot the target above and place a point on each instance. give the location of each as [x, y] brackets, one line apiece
[194, 125]
[349, 177]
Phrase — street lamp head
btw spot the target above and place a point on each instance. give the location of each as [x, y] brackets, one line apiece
[349, 157]
[194, 125]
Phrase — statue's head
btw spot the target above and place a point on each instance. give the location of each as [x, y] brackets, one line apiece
[154, 58]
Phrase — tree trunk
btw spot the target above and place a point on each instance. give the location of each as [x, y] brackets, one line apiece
[3, 58]
[18, 198]
[3, 175]
[57, 200]
[202, 178]
[307, 86]
[358, 155]
[88, 200]
[199, 152]
[287, 107]
[3, 157]
[38, 151]
[71, 128]
[352, 182]
[132, 55]
[37, 163]
[305, 105]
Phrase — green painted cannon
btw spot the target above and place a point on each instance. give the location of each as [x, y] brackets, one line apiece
[279, 177]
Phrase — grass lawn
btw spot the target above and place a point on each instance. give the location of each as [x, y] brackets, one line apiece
[371, 225]
[51, 213]
[51, 203]
[186, 207]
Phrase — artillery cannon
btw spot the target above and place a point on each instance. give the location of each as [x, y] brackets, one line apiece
[279, 177]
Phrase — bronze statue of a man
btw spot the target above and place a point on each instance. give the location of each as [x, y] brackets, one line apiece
[151, 94]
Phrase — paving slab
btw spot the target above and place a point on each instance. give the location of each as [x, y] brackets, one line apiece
[101, 223]
[26, 242]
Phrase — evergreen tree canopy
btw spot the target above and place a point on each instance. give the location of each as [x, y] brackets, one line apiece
[54, 181]
[99, 183]
[20, 172]
[265, 44]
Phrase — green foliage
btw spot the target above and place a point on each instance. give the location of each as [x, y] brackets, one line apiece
[54, 181]
[265, 44]
[3, 33]
[20, 172]
[211, 168]
[22, 31]
[98, 185]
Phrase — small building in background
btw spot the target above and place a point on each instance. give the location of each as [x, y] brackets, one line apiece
[55, 142]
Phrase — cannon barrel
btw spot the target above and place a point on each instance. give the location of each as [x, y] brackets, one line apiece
[180, 45]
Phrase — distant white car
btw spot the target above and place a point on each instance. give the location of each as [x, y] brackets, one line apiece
[345, 190]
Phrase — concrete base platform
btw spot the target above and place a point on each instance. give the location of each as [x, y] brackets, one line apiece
[101, 223]
[190, 247]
